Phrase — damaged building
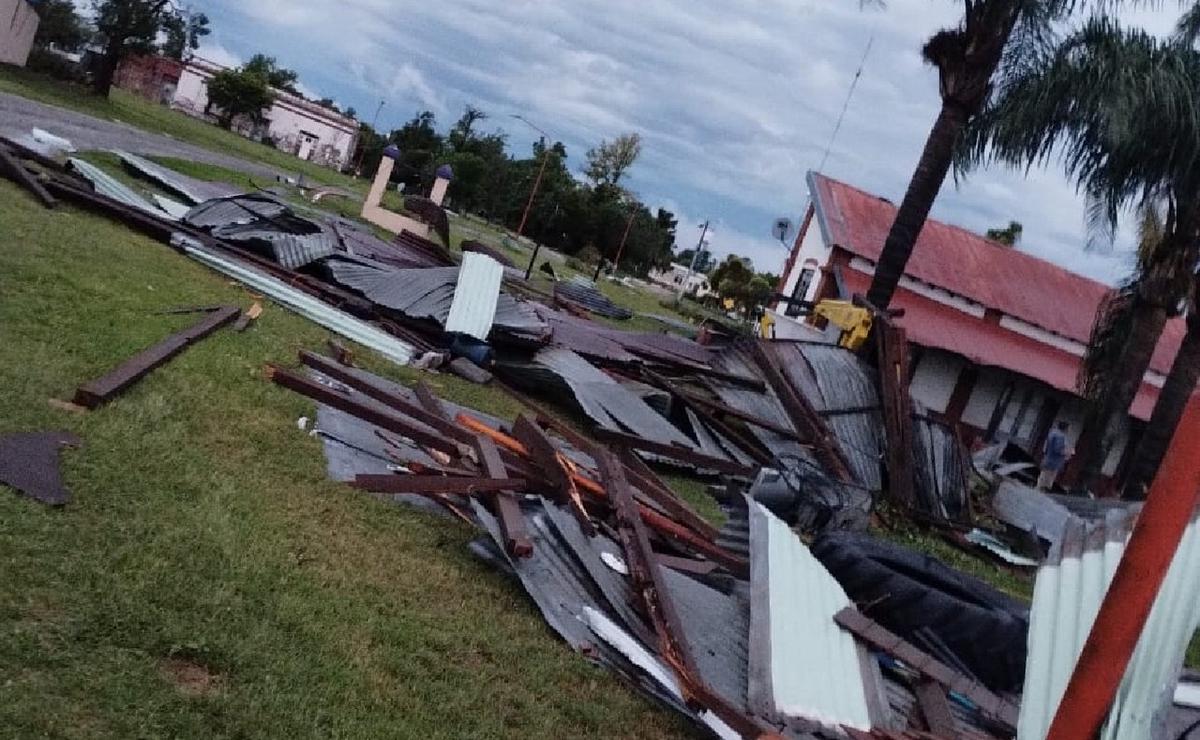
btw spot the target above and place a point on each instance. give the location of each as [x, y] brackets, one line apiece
[998, 335]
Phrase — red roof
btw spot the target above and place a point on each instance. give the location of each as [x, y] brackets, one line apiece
[1008, 280]
[932, 324]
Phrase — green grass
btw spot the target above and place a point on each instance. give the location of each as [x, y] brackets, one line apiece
[209, 580]
[127, 108]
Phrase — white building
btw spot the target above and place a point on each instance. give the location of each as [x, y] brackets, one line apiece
[694, 283]
[296, 125]
[18, 25]
[997, 333]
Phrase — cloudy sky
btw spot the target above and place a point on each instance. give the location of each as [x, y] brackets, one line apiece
[735, 101]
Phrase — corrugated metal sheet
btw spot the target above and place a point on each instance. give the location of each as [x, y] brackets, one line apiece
[1066, 600]
[242, 209]
[605, 400]
[173, 208]
[293, 251]
[802, 665]
[426, 293]
[300, 302]
[190, 189]
[930, 324]
[106, 184]
[1009, 280]
[582, 291]
[474, 306]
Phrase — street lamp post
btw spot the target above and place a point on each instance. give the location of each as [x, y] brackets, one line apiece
[537, 182]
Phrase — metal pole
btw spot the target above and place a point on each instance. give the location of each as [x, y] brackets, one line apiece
[692, 266]
[537, 181]
[624, 237]
[1156, 536]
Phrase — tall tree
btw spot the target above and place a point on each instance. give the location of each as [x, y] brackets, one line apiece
[1125, 109]
[60, 24]
[463, 132]
[276, 76]
[607, 163]
[967, 58]
[1009, 235]
[125, 27]
[239, 92]
[182, 32]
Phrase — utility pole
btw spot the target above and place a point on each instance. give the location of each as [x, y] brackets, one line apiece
[620, 248]
[362, 151]
[537, 182]
[692, 266]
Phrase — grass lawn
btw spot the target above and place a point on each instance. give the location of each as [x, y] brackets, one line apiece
[208, 580]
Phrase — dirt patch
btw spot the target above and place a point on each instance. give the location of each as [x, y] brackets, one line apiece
[191, 678]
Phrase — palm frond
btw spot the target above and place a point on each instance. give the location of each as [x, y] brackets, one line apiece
[1106, 346]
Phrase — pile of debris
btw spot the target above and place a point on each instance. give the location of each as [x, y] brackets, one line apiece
[747, 639]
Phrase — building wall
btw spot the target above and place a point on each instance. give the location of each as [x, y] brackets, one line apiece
[812, 253]
[287, 120]
[18, 25]
[934, 379]
[695, 284]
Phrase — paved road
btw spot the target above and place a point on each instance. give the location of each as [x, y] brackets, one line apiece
[19, 115]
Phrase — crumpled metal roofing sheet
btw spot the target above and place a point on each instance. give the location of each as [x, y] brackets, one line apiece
[299, 301]
[426, 293]
[106, 184]
[834, 380]
[173, 208]
[473, 308]
[584, 292]
[802, 664]
[190, 189]
[606, 401]
[242, 209]
[290, 250]
[1066, 600]
[763, 405]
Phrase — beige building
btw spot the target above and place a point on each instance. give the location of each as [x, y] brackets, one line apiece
[18, 24]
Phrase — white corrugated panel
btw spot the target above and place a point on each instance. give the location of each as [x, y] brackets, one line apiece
[106, 184]
[475, 296]
[1066, 600]
[802, 664]
[302, 303]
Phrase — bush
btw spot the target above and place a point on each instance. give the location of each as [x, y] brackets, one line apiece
[46, 62]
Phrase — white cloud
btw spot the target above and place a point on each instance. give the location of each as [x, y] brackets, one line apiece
[735, 101]
[215, 52]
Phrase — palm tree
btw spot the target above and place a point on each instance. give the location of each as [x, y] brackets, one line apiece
[994, 35]
[1125, 109]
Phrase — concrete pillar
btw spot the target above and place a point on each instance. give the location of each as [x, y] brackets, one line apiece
[382, 177]
[440, 185]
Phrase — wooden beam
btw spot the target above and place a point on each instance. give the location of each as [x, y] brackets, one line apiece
[17, 172]
[392, 483]
[684, 455]
[512, 522]
[103, 389]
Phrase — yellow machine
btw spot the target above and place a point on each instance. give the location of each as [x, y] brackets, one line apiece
[854, 321]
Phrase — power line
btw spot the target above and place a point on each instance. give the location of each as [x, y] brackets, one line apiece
[850, 94]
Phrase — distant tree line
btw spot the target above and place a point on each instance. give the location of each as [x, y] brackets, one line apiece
[584, 217]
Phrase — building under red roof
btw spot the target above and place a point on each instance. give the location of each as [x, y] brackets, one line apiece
[1000, 333]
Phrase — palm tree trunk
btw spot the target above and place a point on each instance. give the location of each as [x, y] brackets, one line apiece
[914, 209]
[1181, 383]
[1093, 444]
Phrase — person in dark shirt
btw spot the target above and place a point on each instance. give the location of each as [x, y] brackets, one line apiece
[1054, 456]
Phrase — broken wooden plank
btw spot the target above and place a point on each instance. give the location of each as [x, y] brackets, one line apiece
[656, 600]
[555, 467]
[892, 347]
[388, 420]
[508, 510]
[718, 407]
[347, 376]
[650, 486]
[17, 172]
[391, 483]
[249, 315]
[467, 370]
[103, 389]
[935, 707]
[681, 454]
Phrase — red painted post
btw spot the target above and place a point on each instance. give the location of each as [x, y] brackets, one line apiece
[1152, 546]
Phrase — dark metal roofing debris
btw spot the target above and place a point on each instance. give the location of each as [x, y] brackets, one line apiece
[189, 188]
[29, 463]
[583, 292]
[235, 210]
[292, 250]
[427, 293]
[104, 389]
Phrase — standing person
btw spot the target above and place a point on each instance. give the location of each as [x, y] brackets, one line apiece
[1054, 456]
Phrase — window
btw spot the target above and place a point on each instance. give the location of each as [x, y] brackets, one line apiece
[802, 286]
